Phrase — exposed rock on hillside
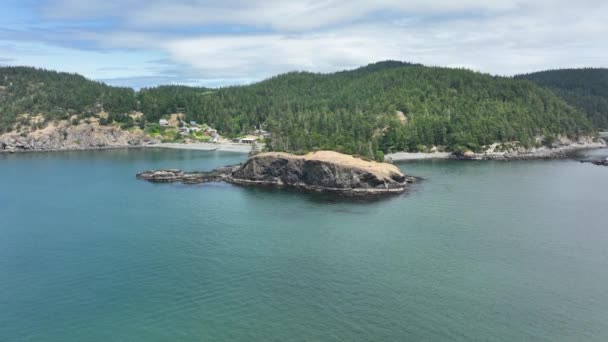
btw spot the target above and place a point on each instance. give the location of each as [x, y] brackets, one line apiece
[64, 136]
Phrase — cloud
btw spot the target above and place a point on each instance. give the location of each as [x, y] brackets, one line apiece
[503, 45]
[235, 41]
[278, 14]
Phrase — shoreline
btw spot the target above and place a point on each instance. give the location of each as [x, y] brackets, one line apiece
[222, 147]
[405, 156]
[101, 148]
[226, 147]
[531, 154]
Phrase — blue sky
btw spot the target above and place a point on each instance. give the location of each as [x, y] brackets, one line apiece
[141, 43]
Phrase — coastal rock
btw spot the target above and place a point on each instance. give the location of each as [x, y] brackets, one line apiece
[562, 148]
[319, 171]
[175, 175]
[62, 136]
[597, 162]
[324, 170]
[162, 176]
[468, 155]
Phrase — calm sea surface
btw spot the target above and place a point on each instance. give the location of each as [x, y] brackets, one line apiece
[493, 251]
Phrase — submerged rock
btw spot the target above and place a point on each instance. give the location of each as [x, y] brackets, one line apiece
[319, 171]
[597, 162]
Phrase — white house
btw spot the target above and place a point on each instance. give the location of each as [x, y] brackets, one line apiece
[163, 122]
[247, 140]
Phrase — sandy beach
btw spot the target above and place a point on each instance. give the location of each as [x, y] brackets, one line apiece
[223, 147]
[402, 156]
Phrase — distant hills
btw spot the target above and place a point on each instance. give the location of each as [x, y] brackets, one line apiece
[585, 89]
[382, 107]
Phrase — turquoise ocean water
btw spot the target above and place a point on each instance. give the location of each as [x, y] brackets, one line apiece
[490, 251]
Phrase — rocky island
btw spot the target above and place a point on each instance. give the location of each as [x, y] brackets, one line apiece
[323, 171]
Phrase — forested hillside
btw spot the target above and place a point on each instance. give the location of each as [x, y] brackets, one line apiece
[350, 111]
[585, 89]
[57, 95]
[355, 111]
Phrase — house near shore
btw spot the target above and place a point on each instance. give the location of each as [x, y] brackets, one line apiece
[244, 140]
[247, 140]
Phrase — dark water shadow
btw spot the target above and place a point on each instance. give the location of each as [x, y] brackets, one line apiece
[320, 197]
[259, 192]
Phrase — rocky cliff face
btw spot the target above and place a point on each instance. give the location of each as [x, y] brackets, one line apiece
[64, 136]
[325, 170]
[320, 171]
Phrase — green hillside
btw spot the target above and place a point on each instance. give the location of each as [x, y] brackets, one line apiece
[585, 89]
[57, 95]
[349, 111]
[354, 111]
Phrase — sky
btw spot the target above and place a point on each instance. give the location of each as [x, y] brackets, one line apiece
[140, 43]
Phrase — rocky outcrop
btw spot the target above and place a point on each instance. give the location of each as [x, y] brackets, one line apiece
[175, 175]
[64, 136]
[597, 162]
[324, 171]
[600, 162]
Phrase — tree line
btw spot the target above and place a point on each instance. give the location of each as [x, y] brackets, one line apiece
[350, 111]
[585, 89]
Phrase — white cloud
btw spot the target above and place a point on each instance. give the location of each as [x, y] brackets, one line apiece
[297, 15]
[279, 14]
[501, 45]
[236, 40]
